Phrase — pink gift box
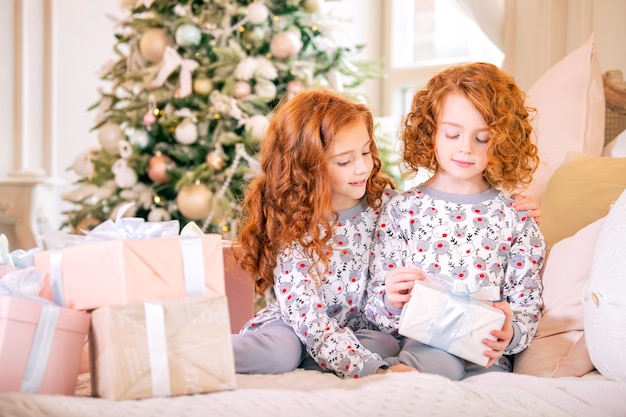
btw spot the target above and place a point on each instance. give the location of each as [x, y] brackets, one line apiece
[40, 346]
[96, 274]
[239, 290]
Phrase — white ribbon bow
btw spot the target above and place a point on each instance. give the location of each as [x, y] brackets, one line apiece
[171, 61]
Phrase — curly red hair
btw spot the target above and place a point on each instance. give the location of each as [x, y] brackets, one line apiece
[512, 155]
[291, 199]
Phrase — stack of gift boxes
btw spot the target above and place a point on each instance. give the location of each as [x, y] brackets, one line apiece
[153, 312]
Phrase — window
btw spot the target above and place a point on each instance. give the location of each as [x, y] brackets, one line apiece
[425, 36]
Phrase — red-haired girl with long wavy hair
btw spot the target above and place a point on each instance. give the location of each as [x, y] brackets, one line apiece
[306, 232]
[471, 128]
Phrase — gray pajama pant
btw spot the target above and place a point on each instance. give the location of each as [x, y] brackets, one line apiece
[275, 348]
[431, 360]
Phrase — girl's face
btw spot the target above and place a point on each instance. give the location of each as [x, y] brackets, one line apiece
[350, 164]
[461, 148]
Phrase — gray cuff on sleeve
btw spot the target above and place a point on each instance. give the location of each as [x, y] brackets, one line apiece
[371, 366]
[517, 336]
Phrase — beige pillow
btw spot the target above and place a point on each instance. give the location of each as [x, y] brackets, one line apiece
[581, 191]
[559, 348]
[570, 104]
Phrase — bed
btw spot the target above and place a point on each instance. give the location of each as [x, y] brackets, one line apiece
[574, 367]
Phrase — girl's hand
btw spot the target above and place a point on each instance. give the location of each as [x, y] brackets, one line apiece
[503, 336]
[399, 283]
[528, 203]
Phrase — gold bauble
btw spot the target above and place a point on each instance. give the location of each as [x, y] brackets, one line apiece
[194, 201]
[153, 43]
[202, 86]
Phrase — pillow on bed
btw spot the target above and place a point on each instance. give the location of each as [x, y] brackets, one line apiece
[604, 298]
[559, 348]
[570, 104]
[580, 192]
[617, 147]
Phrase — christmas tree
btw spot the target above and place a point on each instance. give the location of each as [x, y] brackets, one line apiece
[183, 109]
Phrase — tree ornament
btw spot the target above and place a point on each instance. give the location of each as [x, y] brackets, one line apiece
[202, 85]
[242, 89]
[140, 139]
[294, 87]
[125, 149]
[285, 45]
[158, 166]
[153, 43]
[215, 160]
[255, 36]
[313, 6]
[150, 117]
[194, 201]
[125, 176]
[186, 132]
[257, 125]
[159, 214]
[108, 135]
[188, 34]
[83, 165]
[257, 13]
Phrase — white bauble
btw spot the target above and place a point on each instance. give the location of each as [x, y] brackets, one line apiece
[159, 214]
[186, 132]
[188, 34]
[194, 201]
[257, 13]
[257, 125]
[153, 43]
[125, 176]
[108, 135]
[125, 149]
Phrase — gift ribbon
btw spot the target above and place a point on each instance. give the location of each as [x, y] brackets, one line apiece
[193, 265]
[451, 319]
[40, 350]
[157, 349]
[56, 277]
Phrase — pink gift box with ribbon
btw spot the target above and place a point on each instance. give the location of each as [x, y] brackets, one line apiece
[40, 346]
[91, 275]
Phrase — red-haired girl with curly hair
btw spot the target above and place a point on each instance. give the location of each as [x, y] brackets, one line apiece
[471, 128]
[306, 232]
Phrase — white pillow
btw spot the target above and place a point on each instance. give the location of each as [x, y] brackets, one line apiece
[617, 147]
[604, 297]
[570, 104]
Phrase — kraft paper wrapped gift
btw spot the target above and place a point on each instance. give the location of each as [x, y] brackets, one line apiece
[454, 323]
[162, 348]
[121, 271]
[40, 346]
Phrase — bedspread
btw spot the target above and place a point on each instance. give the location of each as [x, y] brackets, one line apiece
[310, 393]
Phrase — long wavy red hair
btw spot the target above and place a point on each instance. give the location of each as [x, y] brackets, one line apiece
[512, 155]
[290, 200]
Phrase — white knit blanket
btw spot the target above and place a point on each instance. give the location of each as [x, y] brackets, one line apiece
[310, 393]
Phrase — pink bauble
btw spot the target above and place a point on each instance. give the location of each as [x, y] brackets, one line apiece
[158, 167]
[194, 201]
[242, 89]
[149, 119]
[285, 45]
[294, 87]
